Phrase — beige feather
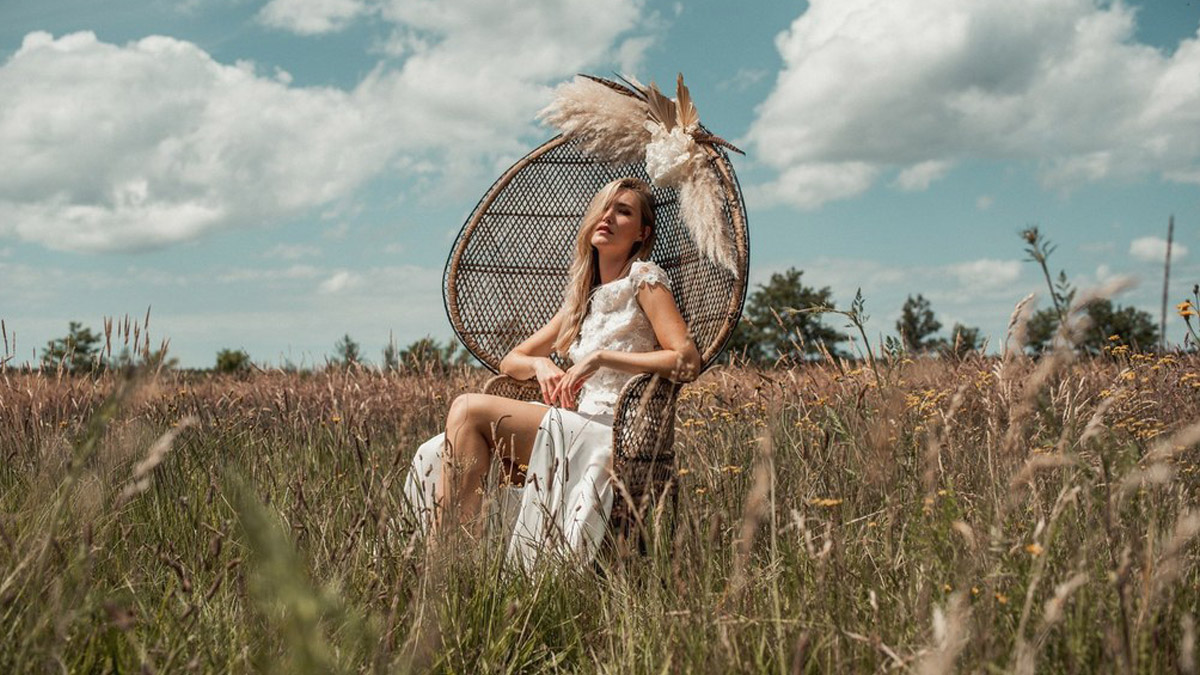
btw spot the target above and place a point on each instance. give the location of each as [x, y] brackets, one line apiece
[688, 118]
[701, 198]
[662, 109]
[608, 123]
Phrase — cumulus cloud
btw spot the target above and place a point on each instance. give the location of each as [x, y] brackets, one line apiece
[142, 145]
[886, 84]
[343, 280]
[919, 176]
[986, 273]
[1154, 249]
[311, 17]
[155, 142]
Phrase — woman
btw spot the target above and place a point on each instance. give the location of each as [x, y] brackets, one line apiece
[618, 319]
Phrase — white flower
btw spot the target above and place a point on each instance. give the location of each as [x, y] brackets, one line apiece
[667, 154]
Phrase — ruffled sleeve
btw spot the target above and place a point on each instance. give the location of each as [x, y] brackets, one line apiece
[646, 272]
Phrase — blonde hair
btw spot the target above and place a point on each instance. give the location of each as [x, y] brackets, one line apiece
[584, 274]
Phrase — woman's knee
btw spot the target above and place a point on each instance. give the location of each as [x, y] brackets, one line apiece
[463, 411]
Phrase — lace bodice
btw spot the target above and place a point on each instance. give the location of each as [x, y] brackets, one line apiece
[616, 322]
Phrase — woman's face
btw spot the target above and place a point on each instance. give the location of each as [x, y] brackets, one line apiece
[620, 225]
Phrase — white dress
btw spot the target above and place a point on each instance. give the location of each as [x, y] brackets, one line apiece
[567, 498]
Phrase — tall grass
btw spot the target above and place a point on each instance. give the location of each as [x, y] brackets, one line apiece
[968, 514]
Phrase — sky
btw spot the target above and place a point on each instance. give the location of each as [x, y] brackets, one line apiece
[273, 175]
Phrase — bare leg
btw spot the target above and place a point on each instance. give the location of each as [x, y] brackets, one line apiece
[478, 426]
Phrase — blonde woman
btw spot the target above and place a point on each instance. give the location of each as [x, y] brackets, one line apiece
[618, 319]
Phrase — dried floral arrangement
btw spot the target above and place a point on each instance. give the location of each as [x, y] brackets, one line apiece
[631, 122]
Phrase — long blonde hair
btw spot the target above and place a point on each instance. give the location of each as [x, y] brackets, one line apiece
[584, 273]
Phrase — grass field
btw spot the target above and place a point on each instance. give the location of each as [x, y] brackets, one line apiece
[983, 514]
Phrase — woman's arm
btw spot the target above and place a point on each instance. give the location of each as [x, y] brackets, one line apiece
[531, 359]
[678, 360]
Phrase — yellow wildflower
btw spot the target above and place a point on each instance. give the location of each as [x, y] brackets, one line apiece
[1186, 309]
[824, 501]
[1035, 549]
[1001, 598]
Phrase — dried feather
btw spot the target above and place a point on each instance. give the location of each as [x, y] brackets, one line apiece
[615, 86]
[685, 109]
[705, 137]
[610, 125]
[701, 198]
[661, 108]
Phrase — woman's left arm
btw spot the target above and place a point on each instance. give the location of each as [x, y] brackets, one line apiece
[678, 360]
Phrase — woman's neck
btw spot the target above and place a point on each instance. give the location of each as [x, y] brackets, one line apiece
[610, 268]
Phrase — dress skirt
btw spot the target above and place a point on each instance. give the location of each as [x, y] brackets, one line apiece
[562, 511]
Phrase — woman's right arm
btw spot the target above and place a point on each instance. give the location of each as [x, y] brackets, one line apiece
[531, 359]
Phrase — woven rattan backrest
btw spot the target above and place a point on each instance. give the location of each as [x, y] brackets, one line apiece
[508, 268]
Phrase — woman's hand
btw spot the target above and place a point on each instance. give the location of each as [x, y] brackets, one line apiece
[548, 375]
[573, 380]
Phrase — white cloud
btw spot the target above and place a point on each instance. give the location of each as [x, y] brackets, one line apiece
[154, 142]
[809, 185]
[343, 280]
[985, 274]
[743, 79]
[292, 251]
[984, 202]
[258, 275]
[899, 83]
[919, 176]
[311, 17]
[1154, 249]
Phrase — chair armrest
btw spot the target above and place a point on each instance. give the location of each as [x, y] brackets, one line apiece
[520, 390]
[644, 419]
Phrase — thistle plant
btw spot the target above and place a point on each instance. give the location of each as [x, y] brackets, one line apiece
[1188, 309]
[1039, 251]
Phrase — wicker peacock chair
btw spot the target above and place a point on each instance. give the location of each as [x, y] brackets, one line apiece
[505, 276]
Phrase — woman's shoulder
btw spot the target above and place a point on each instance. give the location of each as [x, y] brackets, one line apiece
[648, 272]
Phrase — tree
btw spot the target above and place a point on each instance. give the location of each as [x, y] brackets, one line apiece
[772, 330]
[428, 355]
[1130, 325]
[346, 352]
[232, 361]
[917, 325]
[963, 340]
[78, 351]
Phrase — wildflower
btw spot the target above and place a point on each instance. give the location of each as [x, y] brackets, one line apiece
[335, 419]
[1035, 549]
[974, 590]
[731, 469]
[1186, 309]
[947, 587]
[684, 472]
[1114, 338]
[824, 501]
[1001, 598]
[701, 490]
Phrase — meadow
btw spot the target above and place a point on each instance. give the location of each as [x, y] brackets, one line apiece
[997, 514]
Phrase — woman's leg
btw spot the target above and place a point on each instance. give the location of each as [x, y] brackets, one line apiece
[478, 426]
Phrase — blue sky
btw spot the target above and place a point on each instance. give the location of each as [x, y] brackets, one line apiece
[273, 175]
